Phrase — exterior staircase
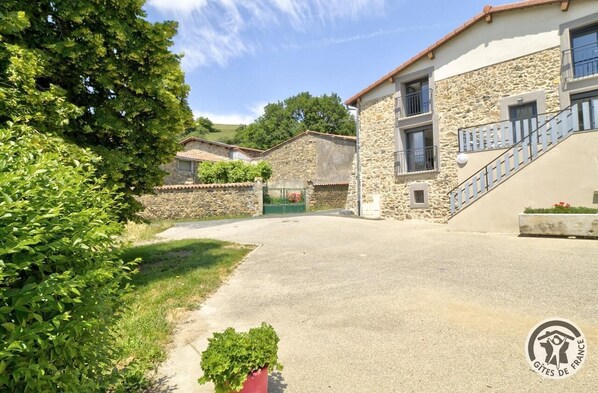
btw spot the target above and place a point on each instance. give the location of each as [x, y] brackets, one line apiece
[535, 138]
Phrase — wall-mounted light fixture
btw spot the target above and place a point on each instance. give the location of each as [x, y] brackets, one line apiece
[462, 158]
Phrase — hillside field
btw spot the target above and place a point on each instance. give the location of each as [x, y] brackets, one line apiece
[227, 131]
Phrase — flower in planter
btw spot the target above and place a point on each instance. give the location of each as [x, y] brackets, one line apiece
[294, 197]
[562, 205]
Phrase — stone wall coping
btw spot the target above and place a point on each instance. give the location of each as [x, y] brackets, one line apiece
[317, 184]
[193, 186]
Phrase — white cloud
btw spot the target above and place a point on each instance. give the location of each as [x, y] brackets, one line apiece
[358, 37]
[251, 114]
[216, 31]
[177, 5]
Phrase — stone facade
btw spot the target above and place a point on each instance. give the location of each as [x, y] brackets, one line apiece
[311, 156]
[293, 163]
[464, 100]
[175, 176]
[218, 150]
[327, 196]
[203, 200]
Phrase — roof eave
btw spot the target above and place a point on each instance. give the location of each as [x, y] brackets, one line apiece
[487, 12]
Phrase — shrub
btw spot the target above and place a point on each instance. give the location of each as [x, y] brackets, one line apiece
[231, 356]
[235, 171]
[60, 270]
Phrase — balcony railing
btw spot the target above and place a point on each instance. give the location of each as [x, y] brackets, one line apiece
[416, 160]
[500, 135]
[417, 103]
[581, 61]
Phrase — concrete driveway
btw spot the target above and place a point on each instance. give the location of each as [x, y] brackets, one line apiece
[387, 306]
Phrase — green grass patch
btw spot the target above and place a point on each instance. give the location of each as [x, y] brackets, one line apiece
[174, 277]
[136, 232]
[226, 132]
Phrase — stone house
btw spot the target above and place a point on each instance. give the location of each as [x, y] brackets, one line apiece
[311, 157]
[183, 168]
[492, 118]
[319, 162]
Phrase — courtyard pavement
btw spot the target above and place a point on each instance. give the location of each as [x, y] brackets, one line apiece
[389, 306]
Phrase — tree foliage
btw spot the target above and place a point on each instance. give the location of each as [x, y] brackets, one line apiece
[61, 277]
[199, 127]
[285, 119]
[60, 272]
[125, 88]
[235, 171]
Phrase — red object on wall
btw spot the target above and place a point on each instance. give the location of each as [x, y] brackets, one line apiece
[256, 382]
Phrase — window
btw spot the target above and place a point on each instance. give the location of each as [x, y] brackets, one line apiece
[521, 117]
[420, 150]
[417, 97]
[584, 51]
[418, 195]
[185, 166]
[586, 99]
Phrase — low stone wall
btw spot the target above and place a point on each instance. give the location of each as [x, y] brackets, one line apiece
[333, 195]
[585, 225]
[203, 200]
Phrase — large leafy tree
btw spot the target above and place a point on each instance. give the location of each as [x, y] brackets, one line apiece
[116, 68]
[285, 119]
[61, 275]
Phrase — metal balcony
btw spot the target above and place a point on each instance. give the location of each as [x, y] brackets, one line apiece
[580, 62]
[417, 103]
[416, 160]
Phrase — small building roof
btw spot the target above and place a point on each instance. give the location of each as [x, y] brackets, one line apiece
[486, 15]
[199, 155]
[248, 150]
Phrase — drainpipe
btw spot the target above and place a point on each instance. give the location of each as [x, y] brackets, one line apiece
[357, 159]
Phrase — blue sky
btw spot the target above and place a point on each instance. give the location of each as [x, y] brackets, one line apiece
[242, 54]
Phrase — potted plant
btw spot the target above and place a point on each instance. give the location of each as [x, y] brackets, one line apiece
[239, 361]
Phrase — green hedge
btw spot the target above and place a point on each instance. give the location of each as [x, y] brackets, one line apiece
[235, 171]
[61, 274]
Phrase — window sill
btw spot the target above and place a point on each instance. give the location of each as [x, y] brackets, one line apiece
[415, 173]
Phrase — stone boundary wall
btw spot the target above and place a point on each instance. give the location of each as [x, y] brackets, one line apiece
[203, 200]
[331, 195]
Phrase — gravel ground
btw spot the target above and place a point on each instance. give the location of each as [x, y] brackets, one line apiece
[388, 306]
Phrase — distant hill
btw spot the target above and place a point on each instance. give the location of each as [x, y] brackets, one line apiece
[227, 132]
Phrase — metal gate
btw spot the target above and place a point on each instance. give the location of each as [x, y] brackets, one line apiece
[284, 200]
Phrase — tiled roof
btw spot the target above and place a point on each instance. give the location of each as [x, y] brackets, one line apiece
[486, 14]
[199, 155]
[226, 145]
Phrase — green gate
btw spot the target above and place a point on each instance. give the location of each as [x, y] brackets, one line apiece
[284, 200]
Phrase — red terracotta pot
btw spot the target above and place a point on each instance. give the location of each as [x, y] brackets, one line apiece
[256, 382]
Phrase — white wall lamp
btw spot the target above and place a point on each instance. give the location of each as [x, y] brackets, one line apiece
[462, 158]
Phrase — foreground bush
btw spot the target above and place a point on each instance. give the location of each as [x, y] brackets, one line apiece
[61, 276]
[235, 171]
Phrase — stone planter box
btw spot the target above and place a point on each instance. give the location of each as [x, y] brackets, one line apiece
[559, 224]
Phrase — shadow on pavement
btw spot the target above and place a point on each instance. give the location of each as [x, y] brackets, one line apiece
[161, 385]
[276, 383]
